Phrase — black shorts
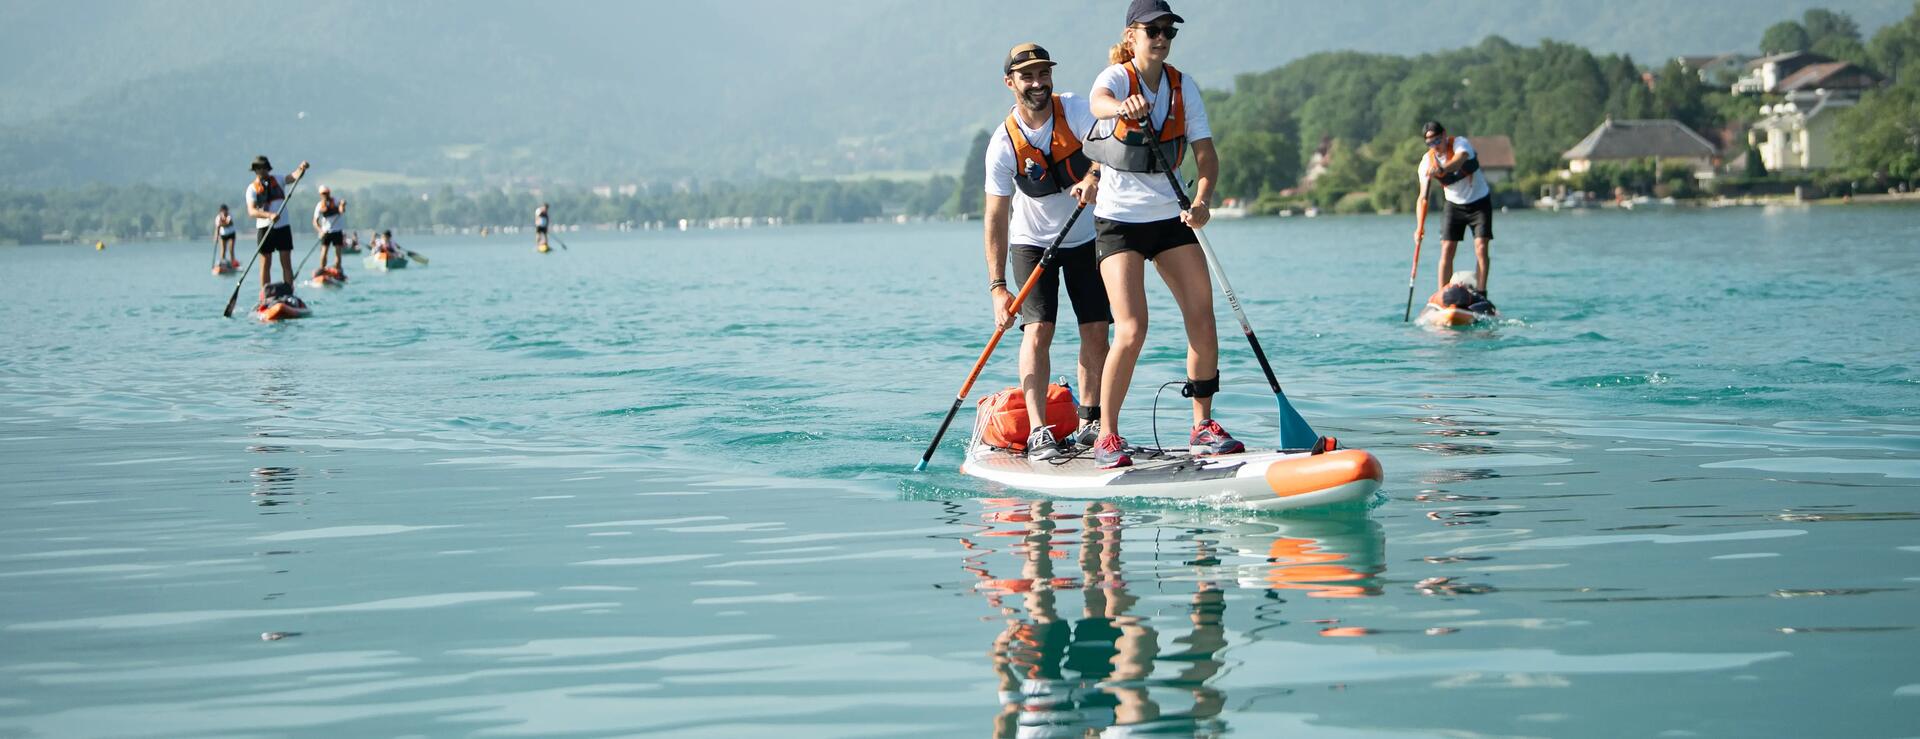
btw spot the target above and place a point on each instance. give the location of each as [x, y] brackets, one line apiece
[281, 239]
[1084, 286]
[333, 238]
[542, 230]
[1147, 238]
[1478, 214]
[226, 239]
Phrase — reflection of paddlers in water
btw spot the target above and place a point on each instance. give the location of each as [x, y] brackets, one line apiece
[1453, 161]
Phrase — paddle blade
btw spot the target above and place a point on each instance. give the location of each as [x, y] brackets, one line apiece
[418, 257]
[228, 313]
[920, 466]
[1294, 431]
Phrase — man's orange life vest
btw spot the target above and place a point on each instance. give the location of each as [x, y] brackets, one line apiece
[1041, 173]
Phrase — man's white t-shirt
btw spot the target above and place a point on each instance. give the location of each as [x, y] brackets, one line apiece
[1037, 221]
[1144, 197]
[330, 225]
[1468, 189]
[273, 206]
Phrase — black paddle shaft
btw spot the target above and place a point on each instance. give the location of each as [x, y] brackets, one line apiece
[1180, 194]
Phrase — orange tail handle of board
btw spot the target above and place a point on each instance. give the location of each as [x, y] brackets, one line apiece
[1046, 259]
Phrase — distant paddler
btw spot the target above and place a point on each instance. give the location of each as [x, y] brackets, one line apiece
[1452, 161]
[1037, 180]
[223, 235]
[266, 199]
[540, 223]
[329, 218]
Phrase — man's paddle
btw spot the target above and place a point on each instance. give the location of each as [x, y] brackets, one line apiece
[303, 260]
[1293, 427]
[416, 256]
[257, 257]
[1419, 234]
[1039, 270]
[562, 244]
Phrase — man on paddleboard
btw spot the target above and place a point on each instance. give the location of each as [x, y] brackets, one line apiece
[540, 221]
[265, 197]
[329, 216]
[1037, 179]
[1452, 161]
[223, 234]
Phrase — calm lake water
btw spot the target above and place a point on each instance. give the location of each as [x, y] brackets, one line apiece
[661, 482]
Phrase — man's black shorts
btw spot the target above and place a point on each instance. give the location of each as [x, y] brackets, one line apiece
[1478, 214]
[1149, 238]
[1084, 286]
[280, 239]
[333, 238]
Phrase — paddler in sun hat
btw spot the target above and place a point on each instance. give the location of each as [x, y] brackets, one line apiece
[265, 197]
[1138, 219]
[1453, 162]
[1037, 177]
[329, 216]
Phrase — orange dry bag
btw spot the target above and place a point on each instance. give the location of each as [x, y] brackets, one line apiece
[1006, 424]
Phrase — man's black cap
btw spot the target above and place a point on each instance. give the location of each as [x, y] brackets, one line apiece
[260, 163]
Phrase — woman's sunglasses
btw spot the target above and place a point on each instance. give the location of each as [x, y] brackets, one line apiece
[1158, 31]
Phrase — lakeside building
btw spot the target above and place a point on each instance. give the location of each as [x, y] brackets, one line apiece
[1496, 157]
[1797, 133]
[1660, 140]
[1717, 70]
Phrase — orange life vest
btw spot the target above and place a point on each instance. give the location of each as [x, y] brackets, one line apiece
[264, 195]
[1127, 149]
[1041, 173]
[329, 207]
[1467, 168]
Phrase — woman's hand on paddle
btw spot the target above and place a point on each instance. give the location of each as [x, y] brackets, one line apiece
[1135, 107]
[1196, 216]
[1002, 300]
[1086, 190]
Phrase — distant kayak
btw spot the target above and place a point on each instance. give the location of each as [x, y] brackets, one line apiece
[1259, 480]
[281, 309]
[377, 262]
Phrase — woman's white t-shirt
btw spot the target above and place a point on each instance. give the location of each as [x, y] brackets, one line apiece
[1144, 197]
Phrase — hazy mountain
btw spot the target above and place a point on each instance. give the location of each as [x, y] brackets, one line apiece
[187, 91]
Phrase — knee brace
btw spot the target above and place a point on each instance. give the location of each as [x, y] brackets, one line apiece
[1201, 389]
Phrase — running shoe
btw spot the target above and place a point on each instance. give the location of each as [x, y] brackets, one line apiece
[1085, 435]
[1110, 452]
[1209, 439]
[1041, 445]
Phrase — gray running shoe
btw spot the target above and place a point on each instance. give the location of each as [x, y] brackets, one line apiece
[1041, 444]
[1085, 435]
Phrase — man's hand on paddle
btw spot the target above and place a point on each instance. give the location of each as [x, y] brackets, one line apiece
[1002, 300]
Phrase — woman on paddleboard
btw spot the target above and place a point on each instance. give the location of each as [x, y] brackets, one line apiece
[1138, 219]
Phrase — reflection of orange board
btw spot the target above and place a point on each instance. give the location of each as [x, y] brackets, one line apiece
[1263, 480]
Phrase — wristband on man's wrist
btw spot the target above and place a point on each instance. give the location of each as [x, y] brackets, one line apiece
[995, 285]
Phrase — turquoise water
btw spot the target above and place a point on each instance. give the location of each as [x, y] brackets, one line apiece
[661, 482]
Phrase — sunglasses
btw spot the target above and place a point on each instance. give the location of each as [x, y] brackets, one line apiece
[1158, 31]
[1435, 142]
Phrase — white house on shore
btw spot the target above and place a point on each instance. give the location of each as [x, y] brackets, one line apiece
[1660, 140]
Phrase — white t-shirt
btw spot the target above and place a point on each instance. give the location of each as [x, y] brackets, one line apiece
[1468, 189]
[1037, 221]
[226, 229]
[540, 220]
[273, 206]
[1144, 197]
[330, 225]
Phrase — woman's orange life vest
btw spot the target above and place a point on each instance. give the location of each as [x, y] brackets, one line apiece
[1041, 173]
[329, 207]
[1127, 149]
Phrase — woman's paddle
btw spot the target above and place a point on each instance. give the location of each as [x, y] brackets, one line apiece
[1293, 427]
[1039, 270]
[257, 257]
[1419, 234]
